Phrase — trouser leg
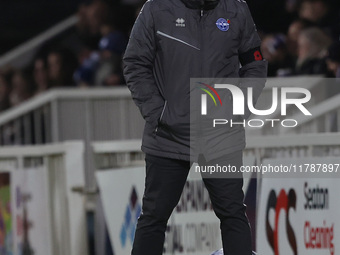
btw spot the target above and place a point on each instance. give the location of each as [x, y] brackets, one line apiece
[227, 200]
[164, 182]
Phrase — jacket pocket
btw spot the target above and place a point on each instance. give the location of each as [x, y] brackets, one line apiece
[161, 117]
[172, 126]
[164, 107]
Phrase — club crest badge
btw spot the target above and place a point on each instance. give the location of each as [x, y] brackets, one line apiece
[223, 24]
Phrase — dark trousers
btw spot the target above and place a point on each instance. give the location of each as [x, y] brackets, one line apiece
[164, 182]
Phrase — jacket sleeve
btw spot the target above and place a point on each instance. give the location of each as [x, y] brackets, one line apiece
[253, 71]
[138, 66]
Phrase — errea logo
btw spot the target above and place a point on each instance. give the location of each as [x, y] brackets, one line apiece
[180, 22]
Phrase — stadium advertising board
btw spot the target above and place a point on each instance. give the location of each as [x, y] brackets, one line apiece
[24, 212]
[299, 216]
[192, 229]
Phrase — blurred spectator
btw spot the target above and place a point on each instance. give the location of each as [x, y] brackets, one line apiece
[112, 47]
[112, 42]
[84, 75]
[275, 51]
[333, 59]
[21, 88]
[312, 49]
[61, 64]
[291, 6]
[109, 71]
[104, 67]
[296, 35]
[321, 13]
[40, 76]
[294, 31]
[5, 89]
[314, 10]
[91, 17]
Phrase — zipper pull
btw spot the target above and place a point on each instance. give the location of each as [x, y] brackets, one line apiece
[202, 13]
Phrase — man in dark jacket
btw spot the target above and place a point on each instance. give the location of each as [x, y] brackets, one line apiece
[171, 42]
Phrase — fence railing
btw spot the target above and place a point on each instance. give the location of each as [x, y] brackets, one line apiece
[73, 114]
[101, 114]
[323, 104]
[115, 154]
[325, 118]
[21, 55]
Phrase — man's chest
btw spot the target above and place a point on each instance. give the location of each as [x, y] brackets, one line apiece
[187, 31]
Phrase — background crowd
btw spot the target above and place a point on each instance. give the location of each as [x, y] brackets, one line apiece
[299, 37]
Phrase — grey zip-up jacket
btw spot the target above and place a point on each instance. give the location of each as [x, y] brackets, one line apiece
[172, 42]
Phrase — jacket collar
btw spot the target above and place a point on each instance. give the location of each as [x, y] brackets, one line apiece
[201, 4]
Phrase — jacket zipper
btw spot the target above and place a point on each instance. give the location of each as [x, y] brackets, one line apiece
[160, 118]
[176, 39]
[201, 61]
[201, 40]
[165, 103]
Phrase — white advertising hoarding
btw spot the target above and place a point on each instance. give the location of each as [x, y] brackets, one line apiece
[191, 229]
[27, 220]
[299, 216]
[31, 213]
